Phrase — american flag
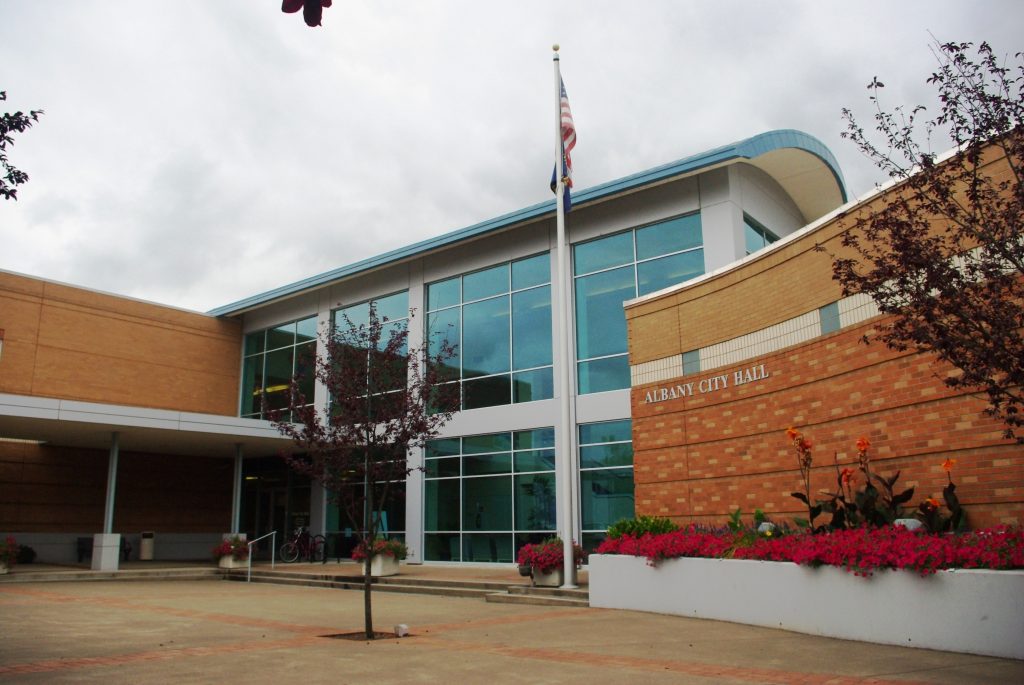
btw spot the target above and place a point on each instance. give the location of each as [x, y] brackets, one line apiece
[568, 143]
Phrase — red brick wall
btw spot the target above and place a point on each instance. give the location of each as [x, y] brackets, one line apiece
[698, 458]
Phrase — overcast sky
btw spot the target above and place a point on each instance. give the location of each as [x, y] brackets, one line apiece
[195, 152]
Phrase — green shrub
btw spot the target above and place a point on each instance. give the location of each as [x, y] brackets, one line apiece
[641, 525]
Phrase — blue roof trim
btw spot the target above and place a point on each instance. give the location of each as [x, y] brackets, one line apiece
[746, 149]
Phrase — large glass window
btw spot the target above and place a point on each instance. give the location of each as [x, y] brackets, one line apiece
[487, 495]
[756, 236]
[499, 319]
[271, 358]
[606, 477]
[611, 270]
[383, 380]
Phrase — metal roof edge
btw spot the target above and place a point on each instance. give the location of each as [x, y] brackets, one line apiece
[748, 148]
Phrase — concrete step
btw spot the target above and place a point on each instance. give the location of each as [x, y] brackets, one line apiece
[438, 588]
[533, 591]
[537, 599]
[400, 579]
[197, 573]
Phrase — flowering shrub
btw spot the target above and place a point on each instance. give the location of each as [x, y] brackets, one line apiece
[861, 550]
[234, 547]
[390, 548]
[9, 552]
[549, 555]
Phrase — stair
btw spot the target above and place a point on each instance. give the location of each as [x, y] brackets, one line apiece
[490, 591]
[399, 583]
[541, 596]
[193, 573]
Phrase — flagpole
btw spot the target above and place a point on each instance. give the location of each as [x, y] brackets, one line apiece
[565, 461]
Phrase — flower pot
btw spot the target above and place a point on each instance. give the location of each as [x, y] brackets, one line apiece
[229, 561]
[383, 565]
[553, 578]
[4, 568]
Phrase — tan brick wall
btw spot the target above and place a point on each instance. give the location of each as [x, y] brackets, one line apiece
[71, 343]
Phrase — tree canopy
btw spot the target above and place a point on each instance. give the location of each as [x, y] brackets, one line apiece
[10, 123]
[944, 254]
[384, 400]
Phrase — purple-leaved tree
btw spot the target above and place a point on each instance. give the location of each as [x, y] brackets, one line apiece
[384, 400]
[943, 255]
[10, 123]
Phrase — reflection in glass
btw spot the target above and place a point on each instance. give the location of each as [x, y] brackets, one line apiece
[493, 281]
[486, 392]
[441, 504]
[602, 375]
[669, 236]
[531, 328]
[485, 338]
[535, 501]
[606, 496]
[661, 273]
[532, 271]
[604, 253]
[529, 386]
[487, 503]
[600, 318]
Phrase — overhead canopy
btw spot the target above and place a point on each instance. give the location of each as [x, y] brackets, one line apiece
[68, 423]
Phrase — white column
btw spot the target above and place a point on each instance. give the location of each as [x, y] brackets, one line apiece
[236, 491]
[414, 484]
[106, 546]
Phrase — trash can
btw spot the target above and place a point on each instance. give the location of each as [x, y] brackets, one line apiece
[146, 546]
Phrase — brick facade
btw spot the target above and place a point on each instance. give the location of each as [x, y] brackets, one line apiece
[700, 456]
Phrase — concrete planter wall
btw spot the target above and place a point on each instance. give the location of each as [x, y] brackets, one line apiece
[974, 611]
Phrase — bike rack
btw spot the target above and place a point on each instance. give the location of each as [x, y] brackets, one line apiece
[273, 553]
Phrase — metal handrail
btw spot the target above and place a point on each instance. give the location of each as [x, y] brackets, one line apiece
[273, 551]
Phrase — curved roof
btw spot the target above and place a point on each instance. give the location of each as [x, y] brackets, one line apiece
[799, 162]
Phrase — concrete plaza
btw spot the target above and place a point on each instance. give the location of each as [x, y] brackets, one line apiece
[212, 631]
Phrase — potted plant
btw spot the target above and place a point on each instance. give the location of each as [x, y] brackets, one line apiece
[384, 558]
[8, 554]
[546, 561]
[232, 552]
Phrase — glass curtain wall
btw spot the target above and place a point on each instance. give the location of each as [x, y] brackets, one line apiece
[499, 319]
[271, 358]
[341, 537]
[613, 269]
[487, 495]
[606, 477]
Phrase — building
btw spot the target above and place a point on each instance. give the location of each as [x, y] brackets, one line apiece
[119, 416]
[719, 373]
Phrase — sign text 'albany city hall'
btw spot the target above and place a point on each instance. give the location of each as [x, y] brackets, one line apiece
[707, 385]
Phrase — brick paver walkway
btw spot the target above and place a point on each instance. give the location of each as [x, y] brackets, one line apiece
[216, 631]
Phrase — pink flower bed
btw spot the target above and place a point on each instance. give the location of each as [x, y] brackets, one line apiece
[861, 551]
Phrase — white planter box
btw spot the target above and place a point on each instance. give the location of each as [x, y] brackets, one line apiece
[552, 579]
[971, 610]
[230, 562]
[383, 565]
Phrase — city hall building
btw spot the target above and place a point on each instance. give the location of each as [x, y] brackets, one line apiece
[119, 416]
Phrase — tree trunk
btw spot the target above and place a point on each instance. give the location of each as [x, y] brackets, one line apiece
[370, 531]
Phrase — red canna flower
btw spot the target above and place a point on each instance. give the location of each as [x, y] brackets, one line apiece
[948, 465]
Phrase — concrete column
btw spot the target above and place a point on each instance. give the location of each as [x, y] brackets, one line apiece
[414, 483]
[106, 546]
[236, 491]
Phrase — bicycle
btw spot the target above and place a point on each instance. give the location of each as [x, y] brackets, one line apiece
[305, 546]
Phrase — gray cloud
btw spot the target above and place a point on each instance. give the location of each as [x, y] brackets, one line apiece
[196, 152]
